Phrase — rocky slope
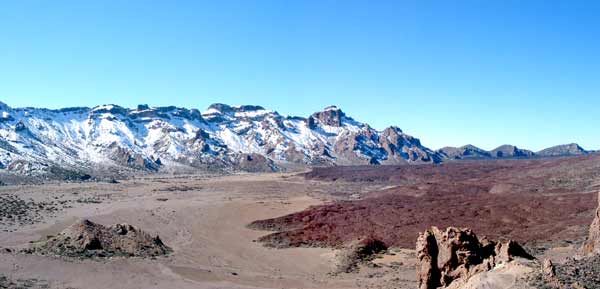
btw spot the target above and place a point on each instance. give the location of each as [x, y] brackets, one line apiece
[114, 139]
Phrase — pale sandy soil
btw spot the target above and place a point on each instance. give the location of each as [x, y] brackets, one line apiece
[203, 220]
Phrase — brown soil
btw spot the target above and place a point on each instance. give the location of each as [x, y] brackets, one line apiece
[525, 200]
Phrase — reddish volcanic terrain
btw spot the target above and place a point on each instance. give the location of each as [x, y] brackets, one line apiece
[524, 200]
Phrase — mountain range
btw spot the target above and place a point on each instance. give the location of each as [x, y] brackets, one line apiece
[510, 151]
[116, 140]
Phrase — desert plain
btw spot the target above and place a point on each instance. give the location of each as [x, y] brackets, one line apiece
[286, 230]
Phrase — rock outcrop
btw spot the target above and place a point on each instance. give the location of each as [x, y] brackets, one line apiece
[592, 244]
[549, 274]
[457, 254]
[88, 239]
[331, 116]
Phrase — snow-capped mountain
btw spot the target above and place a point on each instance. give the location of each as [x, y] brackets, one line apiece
[36, 140]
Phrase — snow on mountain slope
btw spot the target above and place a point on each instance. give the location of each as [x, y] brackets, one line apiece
[34, 140]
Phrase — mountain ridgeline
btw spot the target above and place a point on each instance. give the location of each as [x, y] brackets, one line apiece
[510, 151]
[116, 140]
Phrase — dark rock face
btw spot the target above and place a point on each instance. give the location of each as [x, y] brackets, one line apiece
[311, 122]
[455, 254]
[87, 239]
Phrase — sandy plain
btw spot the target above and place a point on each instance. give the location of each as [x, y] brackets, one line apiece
[203, 218]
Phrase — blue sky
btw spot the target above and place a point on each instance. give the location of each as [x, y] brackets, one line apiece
[448, 72]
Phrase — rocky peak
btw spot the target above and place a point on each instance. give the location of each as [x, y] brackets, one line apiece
[224, 108]
[220, 107]
[330, 116]
[4, 107]
[219, 112]
[109, 108]
[5, 112]
[144, 111]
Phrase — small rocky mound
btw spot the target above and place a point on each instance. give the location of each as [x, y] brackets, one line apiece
[454, 254]
[87, 239]
[357, 252]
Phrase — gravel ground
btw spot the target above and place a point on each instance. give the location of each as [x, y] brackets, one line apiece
[17, 211]
[576, 274]
[22, 283]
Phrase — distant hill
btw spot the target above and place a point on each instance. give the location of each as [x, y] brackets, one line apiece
[572, 149]
[510, 151]
[464, 152]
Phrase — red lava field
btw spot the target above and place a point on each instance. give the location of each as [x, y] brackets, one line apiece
[539, 200]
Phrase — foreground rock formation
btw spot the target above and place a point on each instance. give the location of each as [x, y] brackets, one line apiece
[87, 239]
[592, 244]
[444, 257]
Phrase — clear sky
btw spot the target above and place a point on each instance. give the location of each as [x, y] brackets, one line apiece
[448, 72]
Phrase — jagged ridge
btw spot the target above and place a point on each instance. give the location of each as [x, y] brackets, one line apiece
[37, 140]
